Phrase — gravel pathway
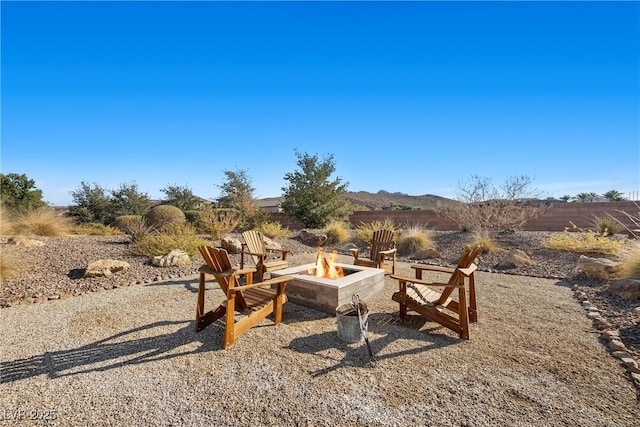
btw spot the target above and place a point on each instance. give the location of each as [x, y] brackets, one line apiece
[130, 356]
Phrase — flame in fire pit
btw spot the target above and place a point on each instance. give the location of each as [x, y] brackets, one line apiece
[326, 269]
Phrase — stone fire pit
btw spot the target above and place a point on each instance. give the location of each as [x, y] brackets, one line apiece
[328, 294]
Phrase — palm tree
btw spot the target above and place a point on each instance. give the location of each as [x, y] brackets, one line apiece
[565, 198]
[584, 197]
[614, 196]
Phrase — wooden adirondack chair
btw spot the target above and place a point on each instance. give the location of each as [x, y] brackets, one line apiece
[252, 301]
[255, 247]
[382, 247]
[415, 294]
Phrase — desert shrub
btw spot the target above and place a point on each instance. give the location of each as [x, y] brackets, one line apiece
[95, 229]
[42, 221]
[171, 236]
[583, 241]
[6, 226]
[193, 217]
[606, 225]
[272, 229]
[414, 239]
[365, 230]
[136, 227]
[8, 265]
[218, 221]
[486, 207]
[337, 232]
[161, 215]
[634, 219]
[123, 222]
[484, 238]
[631, 265]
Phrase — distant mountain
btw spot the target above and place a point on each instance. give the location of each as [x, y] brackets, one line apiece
[383, 200]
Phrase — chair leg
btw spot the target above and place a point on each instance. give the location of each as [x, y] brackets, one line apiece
[473, 308]
[403, 313]
[200, 301]
[463, 312]
[229, 327]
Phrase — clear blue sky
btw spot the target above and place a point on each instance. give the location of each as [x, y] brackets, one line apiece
[412, 97]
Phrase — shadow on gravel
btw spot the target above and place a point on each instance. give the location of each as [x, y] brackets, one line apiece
[113, 352]
[383, 330]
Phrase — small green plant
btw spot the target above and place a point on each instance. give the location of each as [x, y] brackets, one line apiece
[171, 236]
[606, 225]
[273, 229]
[161, 215]
[337, 232]
[218, 222]
[95, 229]
[485, 239]
[42, 221]
[583, 241]
[414, 239]
[365, 231]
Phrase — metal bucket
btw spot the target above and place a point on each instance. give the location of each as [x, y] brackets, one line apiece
[348, 323]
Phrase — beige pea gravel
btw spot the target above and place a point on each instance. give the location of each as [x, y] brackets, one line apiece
[130, 357]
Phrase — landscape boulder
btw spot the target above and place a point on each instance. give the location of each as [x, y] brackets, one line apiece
[626, 288]
[312, 239]
[105, 267]
[231, 244]
[24, 241]
[599, 268]
[271, 244]
[175, 258]
[428, 253]
[516, 258]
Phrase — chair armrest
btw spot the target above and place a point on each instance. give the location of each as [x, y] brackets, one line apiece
[469, 270]
[388, 251]
[274, 281]
[424, 282]
[433, 268]
[281, 251]
[354, 252]
[208, 270]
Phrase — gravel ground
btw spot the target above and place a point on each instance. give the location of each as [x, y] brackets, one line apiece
[129, 356]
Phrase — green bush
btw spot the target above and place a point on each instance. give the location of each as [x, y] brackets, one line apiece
[414, 239]
[124, 222]
[193, 217]
[162, 215]
[172, 236]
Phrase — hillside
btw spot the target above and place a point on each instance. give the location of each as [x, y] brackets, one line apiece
[385, 200]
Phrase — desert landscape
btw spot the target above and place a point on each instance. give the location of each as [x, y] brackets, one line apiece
[122, 350]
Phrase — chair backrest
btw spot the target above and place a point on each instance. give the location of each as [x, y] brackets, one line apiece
[255, 244]
[468, 256]
[382, 241]
[217, 259]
